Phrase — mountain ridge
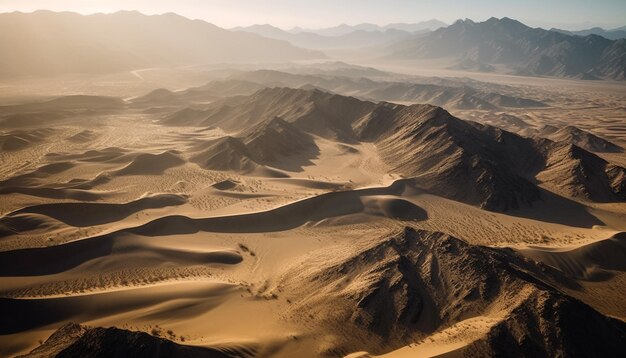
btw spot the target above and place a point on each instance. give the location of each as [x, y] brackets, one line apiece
[428, 144]
[46, 43]
[527, 51]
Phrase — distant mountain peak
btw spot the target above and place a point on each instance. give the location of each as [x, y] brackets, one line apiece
[343, 29]
[99, 43]
[524, 50]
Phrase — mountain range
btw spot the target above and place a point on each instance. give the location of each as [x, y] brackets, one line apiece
[524, 50]
[344, 29]
[45, 43]
[448, 94]
[457, 159]
[344, 36]
[353, 39]
[613, 34]
[418, 280]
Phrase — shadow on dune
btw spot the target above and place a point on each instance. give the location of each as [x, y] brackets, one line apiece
[296, 162]
[11, 225]
[375, 202]
[23, 314]
[597, 261]
[32, 177]
[89, 214]
[559, 210]
[53, 259]
[296, 214]
[102, 252]
[31, 184]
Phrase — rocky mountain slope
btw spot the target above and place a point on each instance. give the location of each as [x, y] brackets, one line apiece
[73, 340]
[526, 51]
[416, 282]
[424, 142]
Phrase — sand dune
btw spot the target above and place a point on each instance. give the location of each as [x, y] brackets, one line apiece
[317, 208]
[35, 183]
[595, 261]
[89, 214]
[21, 139]
[102, 252]
[21, 223]
[376, 202]
[41, 312]
[112, 154]
[84, 136]
[314, 184]
[151, 164]
[54, 193]
[41, 172]
[15, 142]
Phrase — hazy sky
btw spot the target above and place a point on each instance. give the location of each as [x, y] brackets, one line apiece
[567, 14]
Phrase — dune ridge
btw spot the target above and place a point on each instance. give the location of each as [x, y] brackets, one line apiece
[89, 214]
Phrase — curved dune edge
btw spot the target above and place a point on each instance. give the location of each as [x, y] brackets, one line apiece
[102, 252]
[119, 289]
[374, 202]
[295, 214]
[24, 314]
[151, 164]
[90, 214]
[591, 262]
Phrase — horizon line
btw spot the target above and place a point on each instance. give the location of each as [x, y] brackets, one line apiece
[305, 29]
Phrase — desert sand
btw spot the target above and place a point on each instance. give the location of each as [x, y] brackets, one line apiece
[249, 213]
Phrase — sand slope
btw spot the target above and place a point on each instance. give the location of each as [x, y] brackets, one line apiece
[595, 261]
